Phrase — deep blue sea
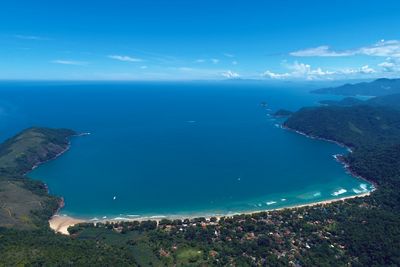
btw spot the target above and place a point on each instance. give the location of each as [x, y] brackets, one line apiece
[167, 148]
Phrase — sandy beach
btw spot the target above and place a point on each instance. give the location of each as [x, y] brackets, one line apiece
[323, 202]
[61, 223]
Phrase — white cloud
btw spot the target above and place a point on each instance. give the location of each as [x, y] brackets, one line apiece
[275, 76]
[215, 60]
[390, 65]
[230, 74]
[201, 73]
[320, 51]
[186, 69]
[366, 70]
[211, 60]
[229, 55]
[125, 58]
[351, 71]
[69, 62]
[306, 72]
[30, 37]
[143, 67]
[387, 66]
[382, 48]
[234, 62]
[301, 69]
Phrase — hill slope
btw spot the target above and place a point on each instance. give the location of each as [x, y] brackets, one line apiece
[389, 101]
[353, 126]
[375, 88]
[24, 202]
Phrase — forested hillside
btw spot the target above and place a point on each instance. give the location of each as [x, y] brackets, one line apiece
[25, 203]
[378, 87]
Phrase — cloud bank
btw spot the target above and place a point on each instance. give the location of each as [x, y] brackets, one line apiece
[383, 48]
[301, 71]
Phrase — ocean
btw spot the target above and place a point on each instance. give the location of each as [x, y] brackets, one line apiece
[176, 148]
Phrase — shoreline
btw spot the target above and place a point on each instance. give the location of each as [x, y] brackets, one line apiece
[338, 157]
[60, 223]
[48, 160]
[312, 204]
[58, 154]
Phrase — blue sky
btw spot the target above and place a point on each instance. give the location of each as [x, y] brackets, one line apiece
[199, 39]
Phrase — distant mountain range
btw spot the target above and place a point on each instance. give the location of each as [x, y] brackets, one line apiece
[378, 87]
[390, 101]
[345, 102]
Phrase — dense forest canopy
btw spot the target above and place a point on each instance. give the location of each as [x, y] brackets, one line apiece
[378, 87]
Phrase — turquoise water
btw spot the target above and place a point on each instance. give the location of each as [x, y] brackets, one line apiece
[162, 149]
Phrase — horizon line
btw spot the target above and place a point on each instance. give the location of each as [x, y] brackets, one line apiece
[193, 80]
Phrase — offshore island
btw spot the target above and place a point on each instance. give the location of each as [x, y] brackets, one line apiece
[324, 233]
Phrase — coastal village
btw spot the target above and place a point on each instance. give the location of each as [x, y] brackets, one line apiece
[280, 235]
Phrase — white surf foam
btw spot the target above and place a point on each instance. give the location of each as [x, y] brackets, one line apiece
[120, 219]
[339, 192]
[364, 187]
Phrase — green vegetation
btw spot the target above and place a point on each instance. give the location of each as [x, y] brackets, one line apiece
[44, 248]
[379, 87]
[345, 102]
[356, 232]
[388, 101]
[356, 126]
[371, 235]
[26, 206]
[283, 113]
[392, 101]
[24, 203]
[33, 146]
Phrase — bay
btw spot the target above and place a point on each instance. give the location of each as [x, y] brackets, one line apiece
[176, 148]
